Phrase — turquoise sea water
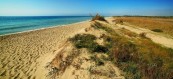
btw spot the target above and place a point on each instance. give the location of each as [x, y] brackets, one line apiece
[14, 24]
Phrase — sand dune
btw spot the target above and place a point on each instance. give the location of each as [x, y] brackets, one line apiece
[159, 38]
[25, 55]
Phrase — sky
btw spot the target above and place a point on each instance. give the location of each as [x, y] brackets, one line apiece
[86, 7]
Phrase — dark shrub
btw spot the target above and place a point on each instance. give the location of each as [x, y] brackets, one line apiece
[157, 30]
[100, 48]
[98, 17]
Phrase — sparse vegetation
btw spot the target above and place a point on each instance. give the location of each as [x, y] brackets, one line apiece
[163, 24]
[138, 59]
[98, 25]
[128, 33]
[98, 17]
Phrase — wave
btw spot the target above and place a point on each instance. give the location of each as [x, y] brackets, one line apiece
[17, 27]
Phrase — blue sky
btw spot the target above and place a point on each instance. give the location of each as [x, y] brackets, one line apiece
[85, 7]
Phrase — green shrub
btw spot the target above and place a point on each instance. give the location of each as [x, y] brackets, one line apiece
[84, 40]
[100, 48]
[87, 41]
[157, 30]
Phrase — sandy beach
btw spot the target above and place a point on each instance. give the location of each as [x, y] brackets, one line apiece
[86, 39]
[48, 54]
[25, 55]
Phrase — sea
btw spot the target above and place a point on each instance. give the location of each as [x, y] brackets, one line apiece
[16, 24]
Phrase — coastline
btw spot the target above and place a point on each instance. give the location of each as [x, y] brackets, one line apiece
[42, 28]
[26, 54]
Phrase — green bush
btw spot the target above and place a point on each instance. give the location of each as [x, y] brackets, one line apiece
[87, 41]
[100, 48]
[84, 40]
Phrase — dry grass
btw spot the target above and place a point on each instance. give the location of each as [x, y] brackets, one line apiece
[128, 33]
[164, 24]
[140, 59]
[98, 17]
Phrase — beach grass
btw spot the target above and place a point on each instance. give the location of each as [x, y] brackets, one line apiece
[138, 59]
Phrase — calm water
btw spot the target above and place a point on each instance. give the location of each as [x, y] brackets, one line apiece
[12, 24]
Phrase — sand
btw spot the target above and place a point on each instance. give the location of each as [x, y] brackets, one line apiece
[25, 55]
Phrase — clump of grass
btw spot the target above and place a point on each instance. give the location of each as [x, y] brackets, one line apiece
[157, 30]
[143, 35]
[87, 41]
[98, 17]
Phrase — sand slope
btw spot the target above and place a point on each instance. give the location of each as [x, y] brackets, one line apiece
[25, 55]
[73, 63]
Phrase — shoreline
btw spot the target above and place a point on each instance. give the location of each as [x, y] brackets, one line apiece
[26, 54]
[43, 28]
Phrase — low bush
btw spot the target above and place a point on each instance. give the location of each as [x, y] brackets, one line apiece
[83, 40]
[157, 30]
[87, 41]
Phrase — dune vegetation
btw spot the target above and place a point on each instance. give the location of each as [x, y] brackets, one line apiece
[156, 24]
[138, 57]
